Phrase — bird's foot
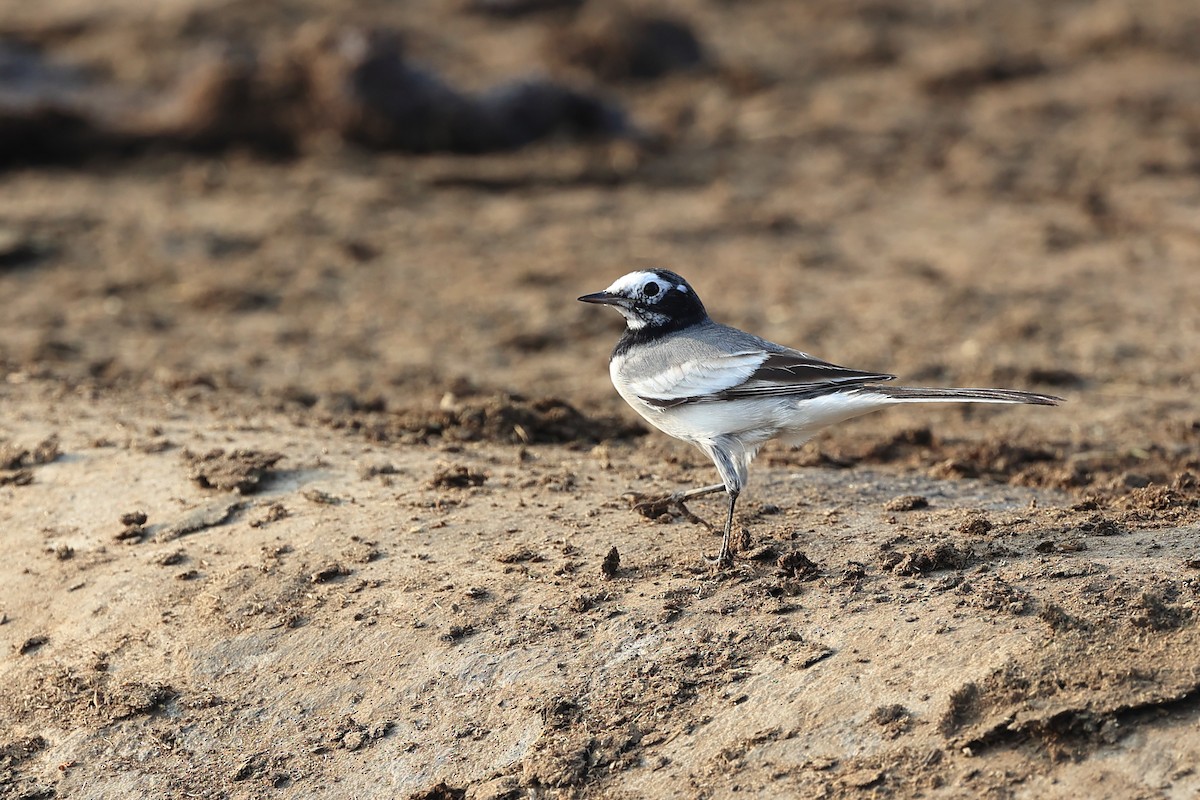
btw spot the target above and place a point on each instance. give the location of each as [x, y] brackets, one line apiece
[654, 506]
[732, 546]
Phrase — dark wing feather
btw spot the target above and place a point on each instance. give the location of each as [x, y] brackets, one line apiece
[791, 373]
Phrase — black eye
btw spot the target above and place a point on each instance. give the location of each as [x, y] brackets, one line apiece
[650, 289]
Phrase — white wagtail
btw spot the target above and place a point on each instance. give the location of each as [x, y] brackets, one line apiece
[728, 392]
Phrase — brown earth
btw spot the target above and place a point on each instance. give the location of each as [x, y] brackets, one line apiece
[312, 483]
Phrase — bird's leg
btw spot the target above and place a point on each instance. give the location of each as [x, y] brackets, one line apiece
[656, 506]
[725, 557]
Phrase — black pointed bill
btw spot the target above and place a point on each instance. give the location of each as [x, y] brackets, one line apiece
[604, 298]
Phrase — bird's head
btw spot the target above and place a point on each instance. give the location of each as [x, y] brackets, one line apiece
[656, 298]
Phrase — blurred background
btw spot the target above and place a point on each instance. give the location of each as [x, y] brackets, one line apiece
[354, 208]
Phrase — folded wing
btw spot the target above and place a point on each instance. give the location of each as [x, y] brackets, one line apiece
[750, 374]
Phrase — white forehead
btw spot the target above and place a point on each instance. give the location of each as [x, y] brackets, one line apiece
[634, 281]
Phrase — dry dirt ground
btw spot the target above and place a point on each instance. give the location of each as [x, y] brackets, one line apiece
[312, 483]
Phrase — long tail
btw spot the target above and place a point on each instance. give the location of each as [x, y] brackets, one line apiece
[914, 394]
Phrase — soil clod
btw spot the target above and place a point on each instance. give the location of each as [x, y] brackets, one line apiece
[134, 518]
[456, 476]
[895, 719]
[509, 418]
[13, 457]
[944, 555]
[611, 564]
[328, 573]
[31, 644]
[241, 471]
[208, 516]
[908, 502]
[797, 566]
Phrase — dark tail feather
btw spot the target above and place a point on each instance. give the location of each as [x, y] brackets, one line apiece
[913, 394]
